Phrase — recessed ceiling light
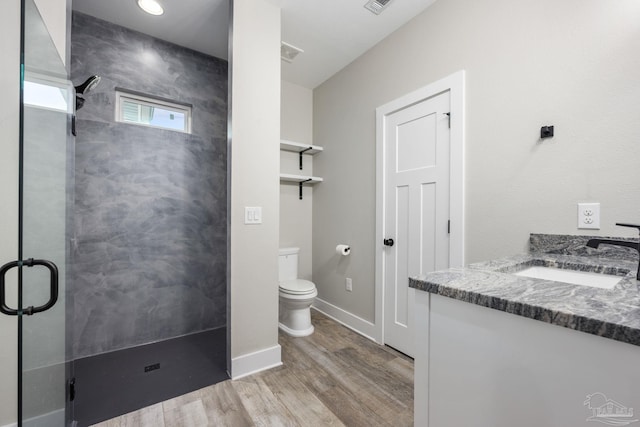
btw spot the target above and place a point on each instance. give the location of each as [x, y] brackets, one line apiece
[152, 7]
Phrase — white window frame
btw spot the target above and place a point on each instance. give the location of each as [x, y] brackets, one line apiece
[122, 96]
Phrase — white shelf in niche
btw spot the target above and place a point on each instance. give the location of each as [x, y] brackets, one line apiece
[298, 147]
[287, 177]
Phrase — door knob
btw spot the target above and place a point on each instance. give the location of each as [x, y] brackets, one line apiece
[388, 242]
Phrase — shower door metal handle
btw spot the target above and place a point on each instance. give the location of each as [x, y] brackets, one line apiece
[53, 286]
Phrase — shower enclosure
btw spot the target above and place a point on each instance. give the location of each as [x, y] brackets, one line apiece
[121, 270]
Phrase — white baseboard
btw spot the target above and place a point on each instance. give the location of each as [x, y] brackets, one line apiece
[252, 363]
[350, 320]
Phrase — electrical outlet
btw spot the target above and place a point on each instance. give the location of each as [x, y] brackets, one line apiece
[589, 215]
[348, 284]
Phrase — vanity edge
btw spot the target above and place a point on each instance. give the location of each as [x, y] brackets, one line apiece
[613, 314]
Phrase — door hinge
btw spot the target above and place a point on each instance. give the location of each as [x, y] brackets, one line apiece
[72, 389]
[449, 117]
[449, 227]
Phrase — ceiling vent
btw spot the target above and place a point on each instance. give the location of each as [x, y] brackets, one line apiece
[289, 52]
[377, 6]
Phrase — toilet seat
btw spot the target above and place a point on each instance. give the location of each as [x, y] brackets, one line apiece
[297, 287]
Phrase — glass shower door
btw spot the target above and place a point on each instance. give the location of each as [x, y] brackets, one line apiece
[45, 198]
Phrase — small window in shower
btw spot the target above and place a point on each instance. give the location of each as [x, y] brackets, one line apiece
[153, 112]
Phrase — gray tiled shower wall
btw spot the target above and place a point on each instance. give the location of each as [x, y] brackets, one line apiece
[149, 258]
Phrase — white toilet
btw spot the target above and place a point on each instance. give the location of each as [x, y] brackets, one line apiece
[296, 296]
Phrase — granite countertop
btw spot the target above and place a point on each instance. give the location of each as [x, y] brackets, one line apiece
[610, 313]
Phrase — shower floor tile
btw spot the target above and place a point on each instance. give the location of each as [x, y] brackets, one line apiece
[115, 383]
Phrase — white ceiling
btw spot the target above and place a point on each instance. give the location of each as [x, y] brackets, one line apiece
[332, 33]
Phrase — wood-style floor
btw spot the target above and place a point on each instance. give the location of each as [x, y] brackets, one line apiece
[334, 377]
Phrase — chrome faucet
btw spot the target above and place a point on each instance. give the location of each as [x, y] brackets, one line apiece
[594, 243]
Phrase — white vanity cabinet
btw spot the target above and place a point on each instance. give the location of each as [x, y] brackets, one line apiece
[481, 367]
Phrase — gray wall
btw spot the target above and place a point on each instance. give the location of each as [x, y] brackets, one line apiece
[150, 256]
[569, 63]
[296, 117]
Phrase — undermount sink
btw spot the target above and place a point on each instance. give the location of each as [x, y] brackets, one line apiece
[595, 280]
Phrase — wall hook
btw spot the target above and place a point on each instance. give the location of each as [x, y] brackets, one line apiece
[546, 132]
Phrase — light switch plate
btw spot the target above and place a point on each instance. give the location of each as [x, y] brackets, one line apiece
[589, 216]
[253, 215]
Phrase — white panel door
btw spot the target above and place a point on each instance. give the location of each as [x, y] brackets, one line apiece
[417, 154]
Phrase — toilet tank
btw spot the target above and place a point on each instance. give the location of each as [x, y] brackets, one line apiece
[288, 264]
